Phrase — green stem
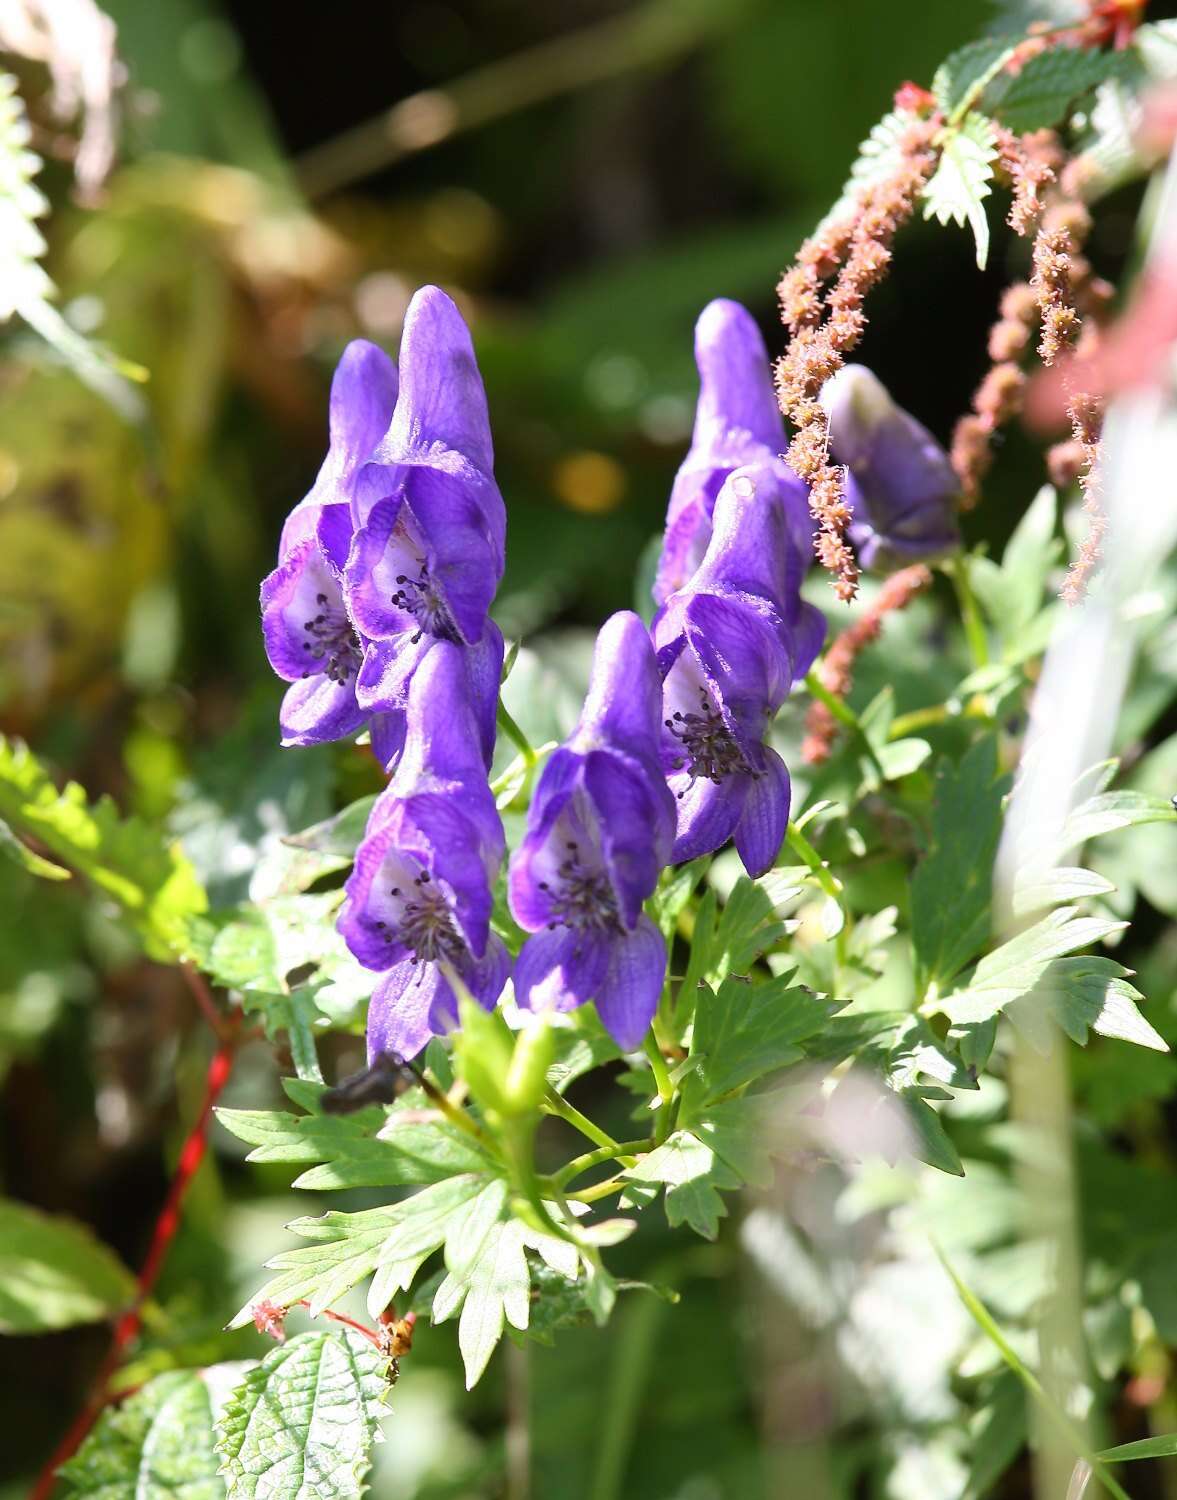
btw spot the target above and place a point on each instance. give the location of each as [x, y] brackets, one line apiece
[809, 857]
[509, 727]
[626, 1150]
[845, 716]
[554, 1104]
[974, 628]
[616, 1184]
[665, 1087]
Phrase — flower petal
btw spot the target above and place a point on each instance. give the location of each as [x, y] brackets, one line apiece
[317, 710]
[400, 1013]
[627, 1000]
[708, 812]
[561, 969]
[761, 830]
[623, 706]
[636, 816]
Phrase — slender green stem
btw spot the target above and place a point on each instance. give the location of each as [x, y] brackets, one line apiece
[616, 1184]
[554, 1104]
[625, 1150]
[809, 857]
[974, 627]
[845, 716]
[985, 1321]
[509, 727]
[665, 1087]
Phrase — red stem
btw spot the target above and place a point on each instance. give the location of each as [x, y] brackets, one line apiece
[162, 1235]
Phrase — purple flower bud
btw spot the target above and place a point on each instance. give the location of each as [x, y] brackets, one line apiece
[310, 637]
[737, 423]
[901, 486]
[730, 649]
[420, 893]
[599, 830]
[427, 554]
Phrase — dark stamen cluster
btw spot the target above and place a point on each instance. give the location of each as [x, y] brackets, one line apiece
[332, 641]
[422, 598]
[585, 897]
[711, 750]
[427, 924]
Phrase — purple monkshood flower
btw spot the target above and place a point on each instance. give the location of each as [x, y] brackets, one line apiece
[901, 487]
[737, 422]
[310, 638]
[420, 892]
[599, 830]
[729, 649]
[428, 549]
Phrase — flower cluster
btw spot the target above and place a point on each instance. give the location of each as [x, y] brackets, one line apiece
[378, 615]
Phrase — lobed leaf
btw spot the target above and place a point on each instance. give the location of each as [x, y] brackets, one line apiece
[1040, 94]
[745, 1030]
[961, 182]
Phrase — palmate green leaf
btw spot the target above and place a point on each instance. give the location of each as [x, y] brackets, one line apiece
[729, 940]
[1034, 890]
[488, 1278]
[159, 1442]
[406, 1145]
[346, 1247]
[951, 891]
[54, 1273]
[1108, 812]
[1042, 91]
[303, 1421]
[152, 881]
[961, 182]
[1090, 993]
[745, 1030]
[694, 1174]
[965, 72]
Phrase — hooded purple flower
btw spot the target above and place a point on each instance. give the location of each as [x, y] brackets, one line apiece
[901, 487]
[310, 638]
[599, 830]
[737, 422]
[420, 892]
[729, 651]
[427, 554]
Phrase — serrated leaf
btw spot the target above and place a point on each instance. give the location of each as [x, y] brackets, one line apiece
[1019, 966]
[693, 1174]
[158, 1442]
[405, 1146]
[961, 182]
[20, 854]
[488, 1277]
[730, 940]
[965, 72]
[951, 891]
[303, 1421]
[932, 1143]
[1110, 811]
[879, 156]
[1093, 993]
[337, 837]
[54, 1273]
[745, 1030]
[151, 880]
[1040, 93]
[1035, 890]
[346, 1247]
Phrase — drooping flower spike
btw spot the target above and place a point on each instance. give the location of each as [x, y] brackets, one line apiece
[901, 486]
[599, 830]
[737, 423]
[729, 653]
[420, 891]
[428, 551]
[310, 638]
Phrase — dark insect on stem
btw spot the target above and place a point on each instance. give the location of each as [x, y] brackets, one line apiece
[380, 1083]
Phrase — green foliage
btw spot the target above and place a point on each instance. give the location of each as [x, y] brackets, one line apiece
[153, 883]
[1040, 94]
[304, 1420]
[878, 157]
[962, 180]
[159, 1442]
[54, 1273]
[962, 75]
[744, 1031]
[951, 890]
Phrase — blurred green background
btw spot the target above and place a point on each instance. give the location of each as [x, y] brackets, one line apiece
[249, 232]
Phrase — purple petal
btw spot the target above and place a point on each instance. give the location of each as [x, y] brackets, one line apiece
[636, 813]
[627, 1000]
[808, 626]
[382, 685]
[750, 550]
[387, 730]
[743, 659]
[317, 710]
[623, 707]
[442, 400]
[302, 588]
[761, 830]
[447, 722]
[381, 551]
[561, 969]
[708, 812]
[533, 863]
[463, 523]
[400, 1013]
[737, 404]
